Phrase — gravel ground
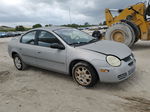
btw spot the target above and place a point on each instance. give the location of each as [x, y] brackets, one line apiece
[37, 90]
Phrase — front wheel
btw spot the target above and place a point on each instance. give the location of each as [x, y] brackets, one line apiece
[19, 64]
[84, 74]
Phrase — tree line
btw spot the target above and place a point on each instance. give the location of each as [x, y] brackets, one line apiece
[86, 24]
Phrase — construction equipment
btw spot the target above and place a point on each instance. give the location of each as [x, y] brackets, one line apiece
[130, 25]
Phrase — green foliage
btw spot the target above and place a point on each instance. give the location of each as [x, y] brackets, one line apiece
[86, 24]
[100, 24]
[71, 25]
[7, 30]
[20, 28]
[48, 25]
[26, 29]
[37, 26]
[17, 28]
[77, 26]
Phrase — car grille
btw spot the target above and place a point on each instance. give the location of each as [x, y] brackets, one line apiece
[122, 76]
[127, 59]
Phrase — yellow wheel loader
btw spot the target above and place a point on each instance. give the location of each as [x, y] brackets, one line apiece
[130, 25]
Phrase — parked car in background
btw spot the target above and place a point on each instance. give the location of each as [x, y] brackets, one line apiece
[81, 29]
[16, 33]
[3, 34]
[70, 51]
[0, 34]
[21, 33]
[10, 34]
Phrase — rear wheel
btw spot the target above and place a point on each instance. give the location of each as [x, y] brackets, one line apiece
[84, 74]
[19, 64]
[121, 32]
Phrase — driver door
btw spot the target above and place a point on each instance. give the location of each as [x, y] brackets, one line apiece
[49, 58]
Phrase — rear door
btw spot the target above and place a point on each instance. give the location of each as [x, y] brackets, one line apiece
[27, 46]
[49, 58]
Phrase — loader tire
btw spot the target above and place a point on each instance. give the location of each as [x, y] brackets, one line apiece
[121, 32]
[136, 39]
[136, 29]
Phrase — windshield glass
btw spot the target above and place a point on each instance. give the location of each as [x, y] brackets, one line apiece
[75, 37]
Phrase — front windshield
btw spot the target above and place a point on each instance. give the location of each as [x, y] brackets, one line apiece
[75, 37]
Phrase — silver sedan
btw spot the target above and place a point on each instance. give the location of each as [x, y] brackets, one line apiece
[73, 52]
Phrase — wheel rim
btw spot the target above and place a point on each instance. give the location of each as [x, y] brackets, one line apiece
[118, 36]
[83, 76]
[18, 62]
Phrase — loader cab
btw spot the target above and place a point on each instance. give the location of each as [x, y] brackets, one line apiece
[147, 12]
[115, 12]
[120, 10]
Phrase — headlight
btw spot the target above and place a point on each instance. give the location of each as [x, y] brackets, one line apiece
[113, 61]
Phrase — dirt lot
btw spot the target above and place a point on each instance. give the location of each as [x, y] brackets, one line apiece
[37, 90]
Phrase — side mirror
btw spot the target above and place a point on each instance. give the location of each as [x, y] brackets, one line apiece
[57, 46]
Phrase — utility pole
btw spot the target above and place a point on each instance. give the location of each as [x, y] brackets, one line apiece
[70, 15]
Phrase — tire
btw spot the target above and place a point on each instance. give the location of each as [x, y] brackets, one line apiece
[125, 31]
[136, 40]
[19, 64]
[84, 74]
[136, 29]
[97, 34]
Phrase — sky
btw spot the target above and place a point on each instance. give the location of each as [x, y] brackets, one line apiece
[56, 12]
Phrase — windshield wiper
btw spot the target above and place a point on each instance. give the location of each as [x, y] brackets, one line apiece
[93, 40]
[78, 43]
[83, 43]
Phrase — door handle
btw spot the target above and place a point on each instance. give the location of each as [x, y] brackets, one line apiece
[20, 48]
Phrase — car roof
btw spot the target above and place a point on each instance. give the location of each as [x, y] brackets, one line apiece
[51, 28]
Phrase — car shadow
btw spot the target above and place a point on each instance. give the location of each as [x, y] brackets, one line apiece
[49, 73]
[121, 86]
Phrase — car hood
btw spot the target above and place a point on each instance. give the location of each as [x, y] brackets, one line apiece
[108, 48]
